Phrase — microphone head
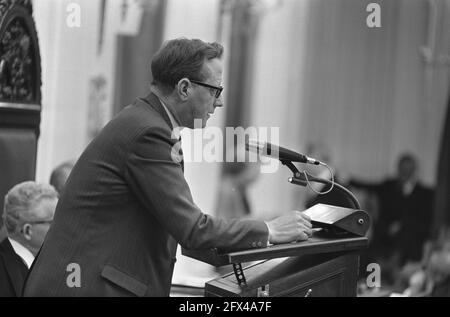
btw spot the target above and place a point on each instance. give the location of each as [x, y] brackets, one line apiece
[262, 148]
[255, 146]
[280, 153]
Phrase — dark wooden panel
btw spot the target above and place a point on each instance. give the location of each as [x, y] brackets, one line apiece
[21, 116]
[17, 157]
[20, 64]
[20, 95]
[333, 275]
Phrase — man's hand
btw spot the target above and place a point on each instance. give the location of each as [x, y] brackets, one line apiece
[294, 226]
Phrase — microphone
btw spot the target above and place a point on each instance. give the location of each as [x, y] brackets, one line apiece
[279, 153]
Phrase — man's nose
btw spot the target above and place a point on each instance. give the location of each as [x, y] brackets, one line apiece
[218, 103]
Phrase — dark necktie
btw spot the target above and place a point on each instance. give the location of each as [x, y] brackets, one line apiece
[182, 156]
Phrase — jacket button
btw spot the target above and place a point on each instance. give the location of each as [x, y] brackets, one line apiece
[259, 244]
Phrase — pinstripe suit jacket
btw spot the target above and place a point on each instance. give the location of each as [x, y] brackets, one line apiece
[125, 206]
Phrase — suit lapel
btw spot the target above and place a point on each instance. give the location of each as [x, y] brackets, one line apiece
[153, 101]
[14, 266]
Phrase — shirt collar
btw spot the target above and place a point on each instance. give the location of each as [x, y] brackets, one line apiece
[408, 187]
[23, 252]
[176, 127]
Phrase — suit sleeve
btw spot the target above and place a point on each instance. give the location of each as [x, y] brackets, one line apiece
[159, 184]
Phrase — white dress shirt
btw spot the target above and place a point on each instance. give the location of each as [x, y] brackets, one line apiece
[23, 252]
[175, 125]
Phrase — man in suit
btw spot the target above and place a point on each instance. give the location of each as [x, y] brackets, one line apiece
[3, 234]
[28, 212]
[126, 203]
[404, 217]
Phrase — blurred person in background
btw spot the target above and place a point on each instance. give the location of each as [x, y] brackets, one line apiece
[28, 212]
[432, 278]
[3, 233]
[232, 200]
[238, 176]
[60, 175]
[404, 217]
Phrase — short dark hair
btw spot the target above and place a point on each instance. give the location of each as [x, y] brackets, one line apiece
[59, 175]
[407, 158]
[182, 58]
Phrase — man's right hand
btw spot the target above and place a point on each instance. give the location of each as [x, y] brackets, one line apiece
[294, 226]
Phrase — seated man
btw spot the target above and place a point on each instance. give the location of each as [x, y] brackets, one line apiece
[28, 213]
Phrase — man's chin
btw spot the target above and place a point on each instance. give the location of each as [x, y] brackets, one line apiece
[200, 123]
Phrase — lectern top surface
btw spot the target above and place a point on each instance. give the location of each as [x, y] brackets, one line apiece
[316, 244]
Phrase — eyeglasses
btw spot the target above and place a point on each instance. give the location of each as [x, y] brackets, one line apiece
[39, 222]
[216, 88]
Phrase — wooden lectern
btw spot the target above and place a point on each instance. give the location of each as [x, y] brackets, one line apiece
[325, 265]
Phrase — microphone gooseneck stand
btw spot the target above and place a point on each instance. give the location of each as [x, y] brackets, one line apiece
[302, 179]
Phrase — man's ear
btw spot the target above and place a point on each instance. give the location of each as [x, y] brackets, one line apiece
[26, 231]
[183, 88]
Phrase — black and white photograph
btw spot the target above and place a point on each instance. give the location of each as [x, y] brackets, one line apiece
[237, 149]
